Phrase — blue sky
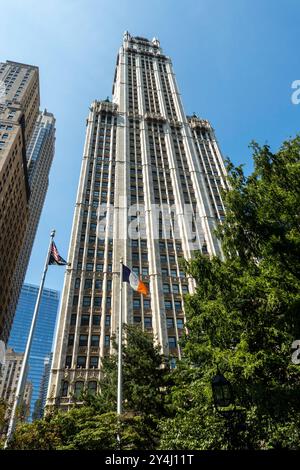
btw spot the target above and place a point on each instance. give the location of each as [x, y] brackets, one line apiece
[235, 61]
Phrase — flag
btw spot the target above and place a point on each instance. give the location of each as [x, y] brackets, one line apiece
[134, 281]
[55, 257]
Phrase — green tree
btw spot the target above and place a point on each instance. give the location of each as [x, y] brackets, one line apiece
[244, 316]
[95, 424]
[144, 375]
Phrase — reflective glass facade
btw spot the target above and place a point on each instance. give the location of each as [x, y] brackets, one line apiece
[43, 337]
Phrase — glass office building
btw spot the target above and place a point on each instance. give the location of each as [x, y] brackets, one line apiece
[43, 337]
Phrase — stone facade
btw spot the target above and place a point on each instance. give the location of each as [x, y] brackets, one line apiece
[146, 166]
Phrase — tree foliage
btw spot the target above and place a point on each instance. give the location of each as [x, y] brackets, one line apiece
[244, 316]
[94, 424]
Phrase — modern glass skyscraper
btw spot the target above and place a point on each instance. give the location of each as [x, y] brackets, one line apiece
[150, 193]
[43, 337]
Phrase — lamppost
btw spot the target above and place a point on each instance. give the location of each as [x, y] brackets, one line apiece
[223, 397]
[222, 392]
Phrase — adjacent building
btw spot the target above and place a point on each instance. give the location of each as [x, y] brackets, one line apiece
[149, 193]
[8, 384]
[40, 154]
[19, 107]
[43, 337]
[27, 139]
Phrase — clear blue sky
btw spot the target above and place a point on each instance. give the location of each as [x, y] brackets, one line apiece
[235, 61]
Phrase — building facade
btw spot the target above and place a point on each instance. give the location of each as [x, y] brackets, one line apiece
[40, 403]
[8, 384]
[149, 193]
[39, 155]
[43, 336]
[18, 112]
[27, 140]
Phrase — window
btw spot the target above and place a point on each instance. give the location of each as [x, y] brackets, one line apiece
[175, 288]
[73, 319]
[86, 302]
[145, 271]
[81, 361]
[172, 342]
[136, 270]
[64, 388]
[70, 340]
[89, 266]
[97, 301]
[146, 304]
[96, 320]
[106, 341]
[98, 284]
[137, 319]
[99, 268]
[68, 361]
[75, 300]
[136, 303]
[88, 283]
[92, 387]
[168, 304]
[172, 363]
[185, 289]
[85, 320]
[148, 322]
[95, 340]
[177, 304]
[179, 323]
[94, 361]
[77, 283]
[107, 320]
[90, 252]
[166, 288]
[83, 340]
[78, 388]
[108, 302]
[170, 323]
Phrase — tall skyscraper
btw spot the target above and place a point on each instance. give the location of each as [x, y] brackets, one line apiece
[149, 192]
[18, 112]
[40, 153]
[43, 336]
[27, 140]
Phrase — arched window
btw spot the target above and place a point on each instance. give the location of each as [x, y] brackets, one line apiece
[64, 388]
[92, 387]
[78, 388]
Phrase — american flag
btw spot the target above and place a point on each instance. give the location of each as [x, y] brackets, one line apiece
[55, 257]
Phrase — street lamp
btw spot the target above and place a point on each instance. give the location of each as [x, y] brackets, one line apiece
[222, 391]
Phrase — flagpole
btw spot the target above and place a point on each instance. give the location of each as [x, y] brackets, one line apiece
[119, 395]
[23, 375]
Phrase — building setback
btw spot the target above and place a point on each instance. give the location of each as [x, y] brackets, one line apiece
[142, 157]
[43, 336]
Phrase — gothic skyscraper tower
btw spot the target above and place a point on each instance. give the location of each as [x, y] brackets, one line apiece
[149, 192]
